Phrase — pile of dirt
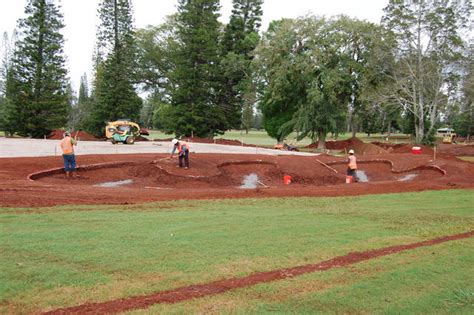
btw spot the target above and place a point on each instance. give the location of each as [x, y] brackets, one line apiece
[338, 145]
[356, 144]
[79, 135]
[402, 147]
[368, 148]
[141, 138]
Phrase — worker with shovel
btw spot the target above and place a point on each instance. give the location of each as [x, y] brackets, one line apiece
[183, 152]
[352, 166]
[67, 146]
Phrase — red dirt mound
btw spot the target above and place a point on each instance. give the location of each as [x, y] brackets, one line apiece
[367, 148]
[141, 138]
[403, 147]
[337, 145]
[79, 135]
[356, 144]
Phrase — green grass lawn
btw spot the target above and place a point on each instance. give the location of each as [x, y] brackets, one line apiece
[69, 255]
[261, 138]
[466, 158]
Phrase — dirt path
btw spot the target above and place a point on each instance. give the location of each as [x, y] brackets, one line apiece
[207, 289]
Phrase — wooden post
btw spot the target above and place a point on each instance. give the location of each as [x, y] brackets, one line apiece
[434, 153]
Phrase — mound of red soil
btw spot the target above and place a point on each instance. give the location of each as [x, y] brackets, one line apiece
[403, 147]
[367, 148]
[79, 135]
[141, 138]
[338, 145]
[356, 144]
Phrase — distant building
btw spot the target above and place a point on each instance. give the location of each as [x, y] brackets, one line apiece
[441, 132]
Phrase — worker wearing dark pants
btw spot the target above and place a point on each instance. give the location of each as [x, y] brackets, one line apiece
[352, 166]
[184, 156]
[183, 152]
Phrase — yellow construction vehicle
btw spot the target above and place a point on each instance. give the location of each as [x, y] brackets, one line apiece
[124, 131]
[449, 138]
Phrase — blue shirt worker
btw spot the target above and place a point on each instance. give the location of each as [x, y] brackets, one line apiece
[183, 152]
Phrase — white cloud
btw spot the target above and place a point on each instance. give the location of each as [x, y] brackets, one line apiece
[81, 19]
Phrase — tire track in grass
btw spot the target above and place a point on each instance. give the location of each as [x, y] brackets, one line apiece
[212, 288]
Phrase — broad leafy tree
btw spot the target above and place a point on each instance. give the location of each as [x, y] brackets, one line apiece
[428, 53]
[157, 47]
[37, 80]
[464, 122]
[280, 84]
[114, 92]
[313, 70]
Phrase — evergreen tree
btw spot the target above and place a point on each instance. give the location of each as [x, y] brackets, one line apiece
[114, 94]
[81, 106]
[36, 82]
[240, 39]
[194, 96]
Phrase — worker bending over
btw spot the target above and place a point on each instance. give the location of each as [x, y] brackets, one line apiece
[352, 166]
[183, 152]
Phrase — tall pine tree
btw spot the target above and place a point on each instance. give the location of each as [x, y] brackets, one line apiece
[114, 95]
[36, 83]
[237, 94]
[194, 96]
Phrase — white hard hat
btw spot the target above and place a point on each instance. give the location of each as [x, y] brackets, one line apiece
[174, 141]
[351, 151]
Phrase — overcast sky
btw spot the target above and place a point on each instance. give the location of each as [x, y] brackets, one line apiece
[81, 19]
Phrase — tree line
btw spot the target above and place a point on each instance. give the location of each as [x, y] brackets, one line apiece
[310, 75]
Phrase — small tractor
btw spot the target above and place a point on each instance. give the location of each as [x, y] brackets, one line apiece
[449, 138]
[285, 147]
[123, 131]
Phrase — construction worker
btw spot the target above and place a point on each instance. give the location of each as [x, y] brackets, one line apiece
[67, 146]
[183, 152]
[352, 166]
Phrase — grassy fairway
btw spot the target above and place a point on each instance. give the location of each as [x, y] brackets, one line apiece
[66, 256]
[261, 138]
[467, 158]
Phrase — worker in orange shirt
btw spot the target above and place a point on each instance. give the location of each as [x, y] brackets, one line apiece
[67, 146]
[352, 166]
[183, 152]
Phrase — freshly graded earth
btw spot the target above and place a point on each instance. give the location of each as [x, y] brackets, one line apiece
[138, 178]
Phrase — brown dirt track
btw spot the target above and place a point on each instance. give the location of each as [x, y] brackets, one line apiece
[196, 291]
[218, 176]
